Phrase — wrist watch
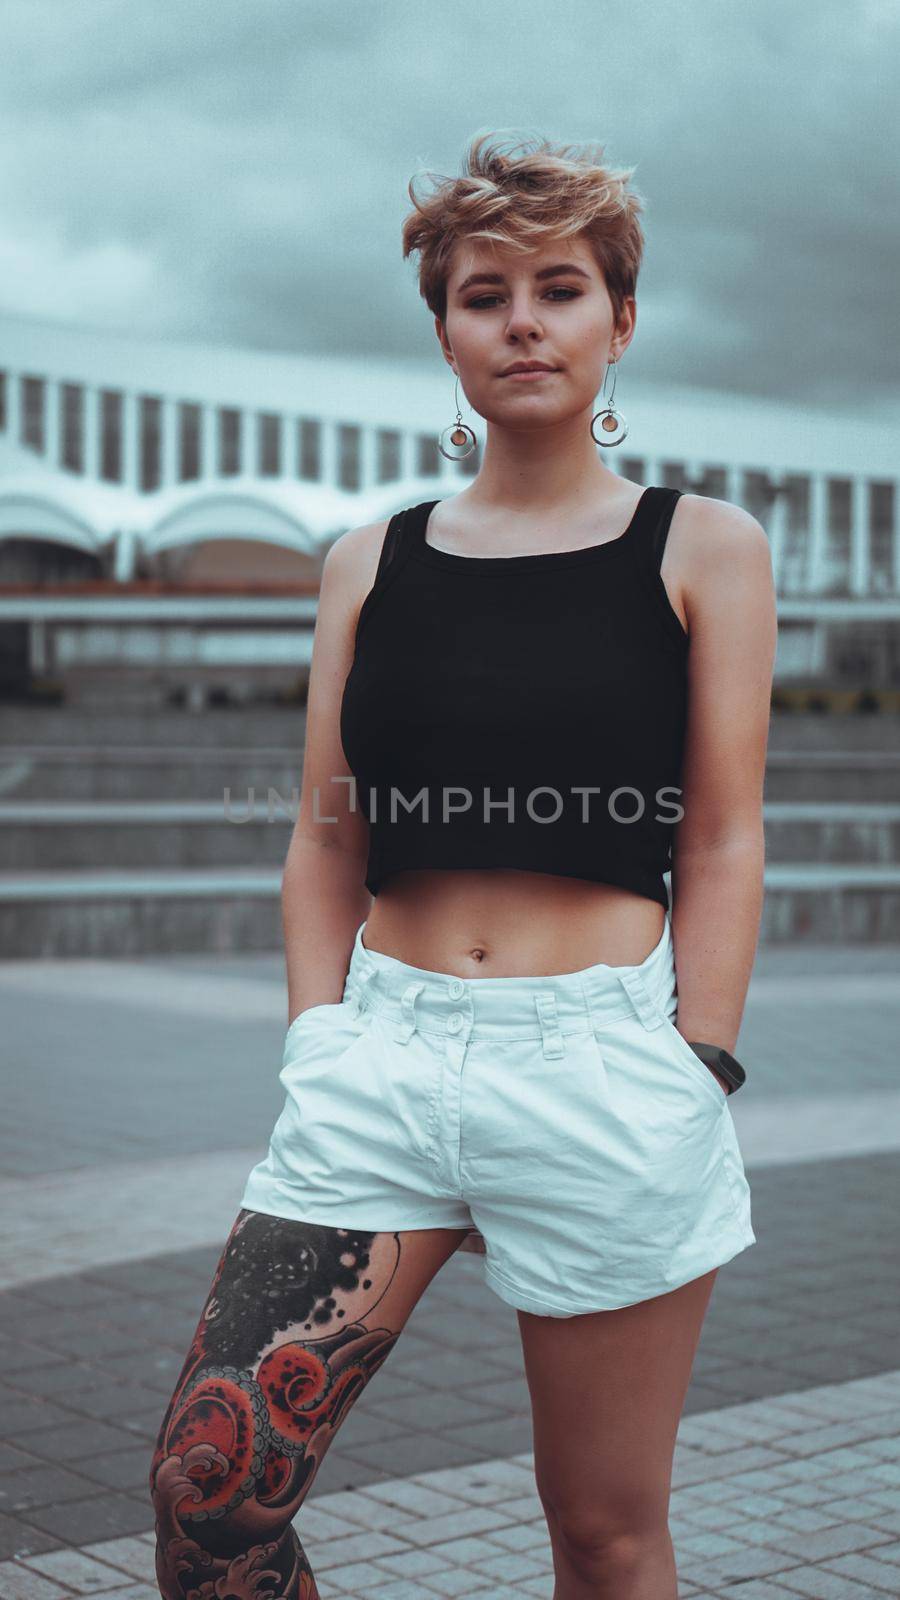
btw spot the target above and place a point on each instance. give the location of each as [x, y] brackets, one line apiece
[728, 1067]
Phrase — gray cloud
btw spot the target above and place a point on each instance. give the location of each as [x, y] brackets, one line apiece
[238, 171]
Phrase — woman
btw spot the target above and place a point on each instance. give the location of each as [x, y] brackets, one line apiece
[526, 702]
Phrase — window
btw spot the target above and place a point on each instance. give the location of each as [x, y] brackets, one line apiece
[388, 467]
[229, 442]
[188, 441]
[269, 445]
[837, 557]
[111, 435]
[151, 441]
[428, 456]
[881, 532]
[33, 402]
[309, 453]
[759, 493]
[713, 482]
[73, 427]
[3, 417]
[349, 440]
[798, 493]
[469, 464]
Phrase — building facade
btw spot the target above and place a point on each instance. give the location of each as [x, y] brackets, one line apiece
[158, 497]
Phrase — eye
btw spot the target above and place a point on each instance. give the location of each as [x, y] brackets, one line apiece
[560, 288]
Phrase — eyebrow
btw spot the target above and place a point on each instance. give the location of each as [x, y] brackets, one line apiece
[545, 272]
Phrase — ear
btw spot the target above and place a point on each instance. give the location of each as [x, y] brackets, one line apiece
[444, 342]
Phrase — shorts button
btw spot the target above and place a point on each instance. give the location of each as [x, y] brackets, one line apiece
[454, 1022]
[456, 989]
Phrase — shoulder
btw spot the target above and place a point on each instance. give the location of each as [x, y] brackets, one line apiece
[350, 564]
[725, 567]
[352, 550]
[717, 530]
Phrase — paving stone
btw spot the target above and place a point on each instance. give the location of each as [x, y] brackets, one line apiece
[414, 1497]
[398, 1589]
[136, 1557]
[831, 1541]
[353, 1575]
[887, 1552]
[457, 1524]
[457, 1582]
[18, 1538]
[363, 1546]
[750, 1562]
[97, 1518]
[520, 1536]
[819, 1584]
[845, 1509]
[710, 1544]
[865, 1569]
[40, 1486]
[17, 1583]
[508, 1567]
[79, 1571]
[756, 1589]
[412, 1563]
[889, 1523]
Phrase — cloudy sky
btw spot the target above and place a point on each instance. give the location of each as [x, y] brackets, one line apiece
[236, 170]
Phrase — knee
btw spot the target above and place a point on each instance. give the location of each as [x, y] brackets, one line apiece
[595, 1546]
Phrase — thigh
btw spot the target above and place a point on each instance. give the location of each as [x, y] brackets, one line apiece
[607, 1390]
[298, 1319]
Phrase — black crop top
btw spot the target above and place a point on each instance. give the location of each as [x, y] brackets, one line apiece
[520, 711]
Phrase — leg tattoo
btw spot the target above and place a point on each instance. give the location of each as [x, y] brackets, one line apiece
[281, 1351]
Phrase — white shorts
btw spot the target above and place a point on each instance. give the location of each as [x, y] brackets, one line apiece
[563, 1117]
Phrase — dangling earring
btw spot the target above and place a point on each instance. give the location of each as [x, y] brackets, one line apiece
[458, 439]
[609, 418]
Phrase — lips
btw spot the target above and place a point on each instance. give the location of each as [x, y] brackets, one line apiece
[526, 371]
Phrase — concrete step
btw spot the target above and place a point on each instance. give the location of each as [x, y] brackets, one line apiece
[50, 835]
[214, 726]
[170, 773]
[120, 728]
[817, 731]
[833, 775]
[843, 832]
[110, 912]
[182, 769]
[126, 913]
[46, 835]
[188, 772]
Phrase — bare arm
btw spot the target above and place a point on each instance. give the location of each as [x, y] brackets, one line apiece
[718, 856]
[323, 893]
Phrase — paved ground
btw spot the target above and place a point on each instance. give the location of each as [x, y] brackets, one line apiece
[139, 1094]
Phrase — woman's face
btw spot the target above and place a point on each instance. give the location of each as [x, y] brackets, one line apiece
[550, 305]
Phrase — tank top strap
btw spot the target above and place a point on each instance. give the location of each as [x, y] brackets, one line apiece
[652, 527]
[397, 540]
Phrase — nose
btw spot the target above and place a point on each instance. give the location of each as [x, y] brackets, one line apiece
[523, 320]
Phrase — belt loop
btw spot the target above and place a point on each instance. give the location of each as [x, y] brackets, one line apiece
[646, 1007]
[359, 992]
[553, 1042]
[407, 1027]
[586, 997]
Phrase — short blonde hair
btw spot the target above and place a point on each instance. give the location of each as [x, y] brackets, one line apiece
[521, 197]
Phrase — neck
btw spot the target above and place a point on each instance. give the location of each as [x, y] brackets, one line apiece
[542, 469]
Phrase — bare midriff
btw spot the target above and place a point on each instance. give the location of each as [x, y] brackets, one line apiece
[507, 923]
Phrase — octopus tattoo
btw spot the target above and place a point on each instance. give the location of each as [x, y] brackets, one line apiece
[284, 1345]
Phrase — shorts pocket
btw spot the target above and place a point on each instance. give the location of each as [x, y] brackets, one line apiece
[310, 1013]
[321, 1032]
[697, 1068]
